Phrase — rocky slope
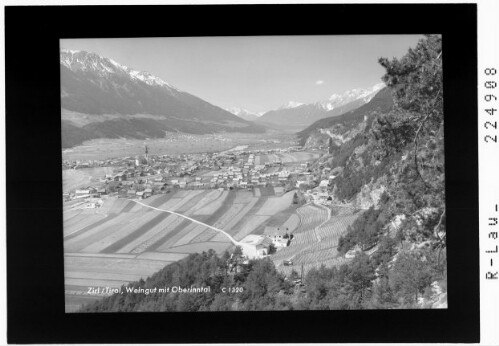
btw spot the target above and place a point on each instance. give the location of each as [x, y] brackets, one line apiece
[387, 158]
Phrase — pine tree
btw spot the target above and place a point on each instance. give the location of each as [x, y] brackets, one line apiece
[410, 276]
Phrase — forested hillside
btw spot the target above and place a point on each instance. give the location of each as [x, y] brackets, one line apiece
[390, 159]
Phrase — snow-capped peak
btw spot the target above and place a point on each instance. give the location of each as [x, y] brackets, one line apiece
[85, 61]
[241, 112]
[71, 51]
[291, 104]
[337, 100]
[238, 111]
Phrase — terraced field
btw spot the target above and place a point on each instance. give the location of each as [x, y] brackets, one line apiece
[335, 227]
[315, 239]
[311, 216]
[124, 241]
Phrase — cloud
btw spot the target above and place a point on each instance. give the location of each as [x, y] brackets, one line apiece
[319, 82]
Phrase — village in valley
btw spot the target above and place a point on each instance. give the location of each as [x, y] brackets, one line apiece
[271, 172]
[319, 205]
[280, 197]
[147, 175]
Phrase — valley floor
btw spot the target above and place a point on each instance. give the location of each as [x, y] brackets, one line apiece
[123, 241]
[177, 143]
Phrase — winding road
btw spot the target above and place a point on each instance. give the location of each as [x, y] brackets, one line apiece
[235, 242]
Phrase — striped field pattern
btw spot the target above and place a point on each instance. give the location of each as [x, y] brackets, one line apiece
[311, 217]
[124, 241]
[335, 227]
[315, 241]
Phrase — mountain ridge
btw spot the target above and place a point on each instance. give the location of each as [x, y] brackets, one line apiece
[95, 85]
[382, 101]
[243, 113]
[298, 116]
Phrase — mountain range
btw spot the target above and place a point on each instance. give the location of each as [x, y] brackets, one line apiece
[100, 98]
[381, 102]
[244, 113]
[295, 116]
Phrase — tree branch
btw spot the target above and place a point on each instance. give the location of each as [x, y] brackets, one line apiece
[435, 229]
[416, 138]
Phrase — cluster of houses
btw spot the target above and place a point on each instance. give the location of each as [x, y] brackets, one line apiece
[248, 176]
[143, 176]
[322, 192]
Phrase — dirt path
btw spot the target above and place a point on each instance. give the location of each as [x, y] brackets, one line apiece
[235, 242]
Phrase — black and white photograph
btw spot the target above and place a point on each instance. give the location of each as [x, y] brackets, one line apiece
[218, 173]
[253, 173]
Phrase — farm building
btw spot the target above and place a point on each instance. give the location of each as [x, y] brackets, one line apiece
[324, 184]
[81, 193]
[353, 252]
[159, 185]
[277, 235]
[255, 246]
[279, 240]
[120, 177]
[284, 175]
[322, 196]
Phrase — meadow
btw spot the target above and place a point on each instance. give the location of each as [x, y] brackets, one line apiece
[76, 178]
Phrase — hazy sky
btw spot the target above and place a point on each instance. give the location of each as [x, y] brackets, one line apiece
[256, 73]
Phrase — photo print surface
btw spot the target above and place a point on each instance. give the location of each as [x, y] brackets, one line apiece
[253, 173]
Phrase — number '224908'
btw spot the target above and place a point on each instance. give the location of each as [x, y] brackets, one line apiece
[489, 125]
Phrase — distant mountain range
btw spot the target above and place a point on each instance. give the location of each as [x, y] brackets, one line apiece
[244, 113]
[381, 102]
[100, 98]
[295, 116]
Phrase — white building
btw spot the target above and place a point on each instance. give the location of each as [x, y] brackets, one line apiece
[324, 184]
[80, 193]
[255, 246]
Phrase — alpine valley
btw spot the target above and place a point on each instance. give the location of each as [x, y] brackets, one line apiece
[350, 213]
[101, 98]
